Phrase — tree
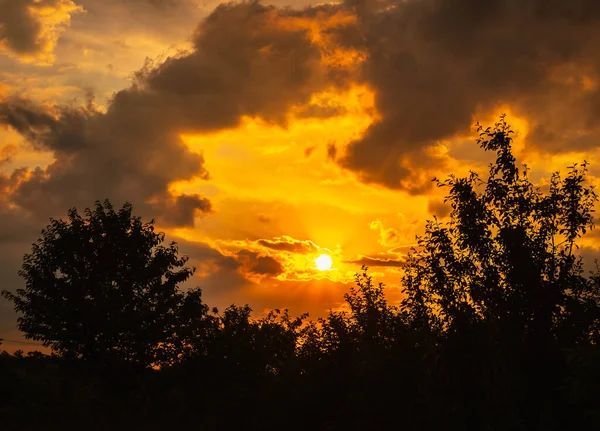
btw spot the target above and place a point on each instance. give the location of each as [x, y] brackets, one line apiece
[507, 255]
[103, 287]
[501, 283]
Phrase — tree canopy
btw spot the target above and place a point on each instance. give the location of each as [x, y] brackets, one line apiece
[102, 287]
[507, 257]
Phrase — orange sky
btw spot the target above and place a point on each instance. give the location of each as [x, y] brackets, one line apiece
[263, 137]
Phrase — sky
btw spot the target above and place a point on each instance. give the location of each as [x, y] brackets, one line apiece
[261, 136]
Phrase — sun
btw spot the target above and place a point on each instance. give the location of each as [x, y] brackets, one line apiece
[323, 262]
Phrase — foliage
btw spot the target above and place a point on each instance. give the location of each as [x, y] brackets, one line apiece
[102, 287]
[507, 256]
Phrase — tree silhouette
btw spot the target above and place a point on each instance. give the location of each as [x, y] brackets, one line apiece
[507, 255]
[500, 282]
[103, 288]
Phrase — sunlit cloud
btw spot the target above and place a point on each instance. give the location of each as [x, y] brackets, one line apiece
[29, 29]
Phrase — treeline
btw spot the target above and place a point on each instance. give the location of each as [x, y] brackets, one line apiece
[498, 328]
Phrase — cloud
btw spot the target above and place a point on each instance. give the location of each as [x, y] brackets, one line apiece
[29, 29]
[438, 207]
[6, 153]
[331, 151]
[375, 262]
[388, 237]
[116, 155]
[254, 263]
[309, 150]
[286, 243]
[225, 275]
[436, 64]
[183, 209]
[247, 60]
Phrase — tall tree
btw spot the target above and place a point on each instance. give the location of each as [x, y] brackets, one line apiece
[502, 285]
[102, 287]
[508, 253]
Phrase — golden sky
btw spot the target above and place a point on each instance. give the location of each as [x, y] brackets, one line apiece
[262, 136]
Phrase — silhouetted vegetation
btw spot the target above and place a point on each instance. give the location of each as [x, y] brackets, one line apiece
[498, 328]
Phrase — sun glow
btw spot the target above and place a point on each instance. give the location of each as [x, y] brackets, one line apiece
[323, 262]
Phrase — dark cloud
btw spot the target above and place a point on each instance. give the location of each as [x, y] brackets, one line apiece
[23, 29]
[331, 151]
[247, 60]
[244, 64]
[438, 207]
[434, 64]
[255, 263]
[18, 28]
[239, 268]
[183, 209]
[61, 131]
[291, 245]
[309, 150]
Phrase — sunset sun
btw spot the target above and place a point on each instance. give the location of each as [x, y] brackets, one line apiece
[323, 262]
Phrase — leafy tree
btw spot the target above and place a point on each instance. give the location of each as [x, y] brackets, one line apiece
[501, 283]
[102, 287]
[507, 255]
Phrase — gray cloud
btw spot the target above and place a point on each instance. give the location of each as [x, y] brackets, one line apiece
[432, 63]
[23, 29]
[19, 29]
[243, 63]
[436, 63]
[438, 207]
[254, 263]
